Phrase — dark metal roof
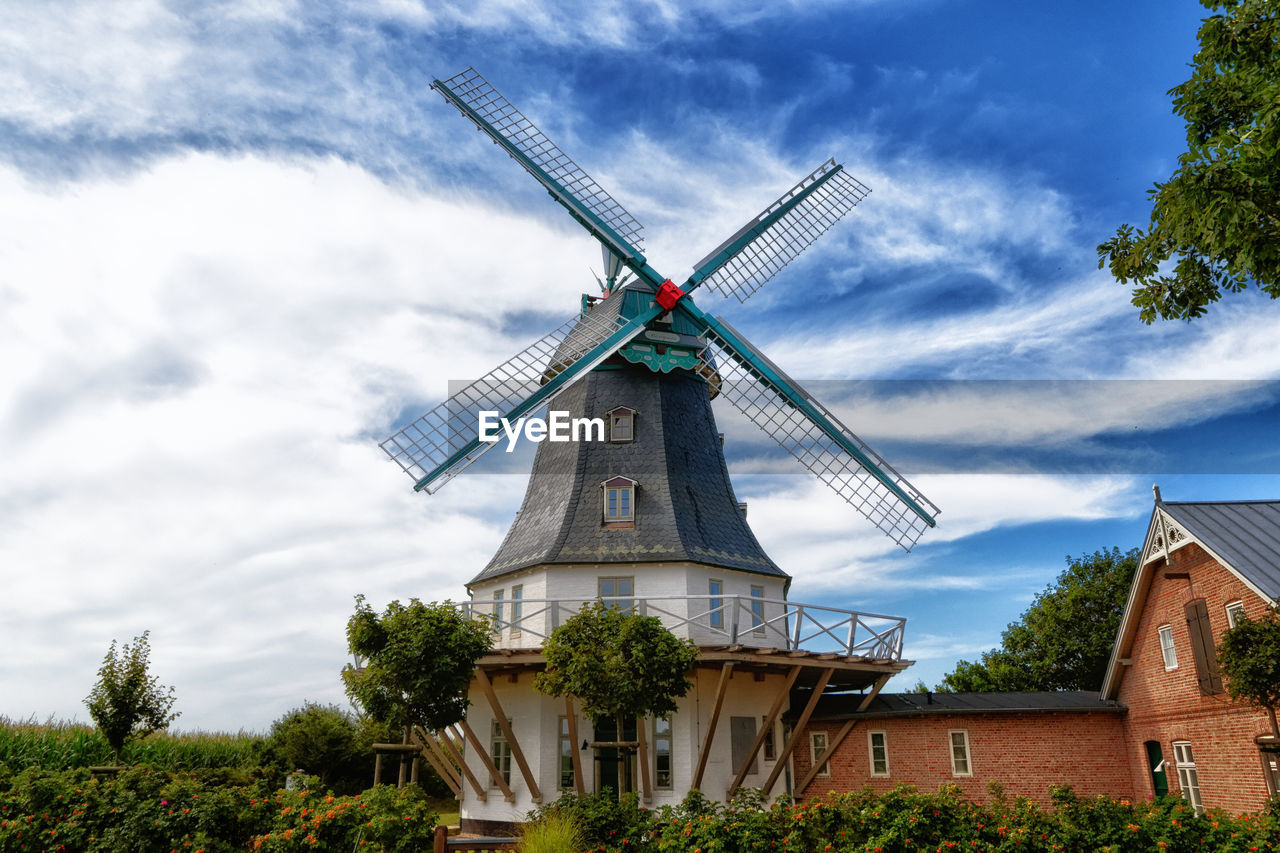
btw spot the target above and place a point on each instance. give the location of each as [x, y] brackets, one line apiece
[1246, 534]
[844, 706]
[685, 508]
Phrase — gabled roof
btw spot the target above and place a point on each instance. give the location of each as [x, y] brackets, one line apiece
[1243, 536]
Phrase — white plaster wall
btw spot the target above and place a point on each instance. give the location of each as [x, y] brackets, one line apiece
[652, 583]
[535, 720]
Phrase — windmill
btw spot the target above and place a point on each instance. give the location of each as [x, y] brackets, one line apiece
[443, 442]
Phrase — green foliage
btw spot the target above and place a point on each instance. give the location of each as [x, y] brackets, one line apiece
[127, 702]
[1250, 659]
[141, 809]
[419, 659]
[602, 821]
[327, 742]
[1063, 640]
[618, 664]
[553, 832]
[1219, 213]
[59, 746]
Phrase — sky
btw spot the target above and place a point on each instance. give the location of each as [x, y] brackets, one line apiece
[244, 239]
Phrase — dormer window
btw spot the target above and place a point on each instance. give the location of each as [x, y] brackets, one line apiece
[619, 495]
[622, 424]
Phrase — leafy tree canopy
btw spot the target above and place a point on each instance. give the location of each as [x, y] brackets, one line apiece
[418, 661]
[617, 663]
[1063, 640]
[127, 702]
[1250, 658]
[1219, 213]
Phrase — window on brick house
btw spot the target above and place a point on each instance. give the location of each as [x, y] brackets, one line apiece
[1203, 649]
[1166, 647]
[879, 751]
[960, 753]
[1271, 767]
[1188, 779]
[1235, 612]
[818, 750]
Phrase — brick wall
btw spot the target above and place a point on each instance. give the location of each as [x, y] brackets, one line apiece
[1024, 752]
[1167, 706]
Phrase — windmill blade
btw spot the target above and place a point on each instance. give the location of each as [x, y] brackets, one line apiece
[742, 264]
[568, 184]
[813, 435]
[439, 445]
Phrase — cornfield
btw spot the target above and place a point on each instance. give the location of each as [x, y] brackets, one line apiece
[57, 745]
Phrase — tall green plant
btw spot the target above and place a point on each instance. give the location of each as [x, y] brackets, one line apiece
[1250, 658]
[128, 702]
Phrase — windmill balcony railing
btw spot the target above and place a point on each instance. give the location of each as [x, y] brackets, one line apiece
[709, 620]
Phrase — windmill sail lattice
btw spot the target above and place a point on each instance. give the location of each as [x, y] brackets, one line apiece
[479, 95]
[753, 393]
[450, 429]
[760, 249]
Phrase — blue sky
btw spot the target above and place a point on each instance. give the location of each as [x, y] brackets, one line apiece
[243, 237]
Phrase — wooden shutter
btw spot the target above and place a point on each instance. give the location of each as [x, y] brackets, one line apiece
[1202, 647]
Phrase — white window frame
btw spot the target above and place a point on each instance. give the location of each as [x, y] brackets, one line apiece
[498, 597]
[757, 609]
[816, 751]
[1167, 651]
[769, 749]
[964, 745]
[517, 607]
[715, 603]
[668, 738]
[884, 749]
[562, 755]
[1235, 609]
[1188, 779]
[500, 753]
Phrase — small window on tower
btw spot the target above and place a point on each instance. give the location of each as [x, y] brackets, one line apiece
[621, 424]
[619, 498]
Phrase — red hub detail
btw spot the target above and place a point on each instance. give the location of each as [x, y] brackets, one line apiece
[669, 295]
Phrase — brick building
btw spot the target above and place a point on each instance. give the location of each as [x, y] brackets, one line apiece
[1162, 721]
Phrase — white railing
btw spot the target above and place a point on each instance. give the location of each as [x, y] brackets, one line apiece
[710, 620]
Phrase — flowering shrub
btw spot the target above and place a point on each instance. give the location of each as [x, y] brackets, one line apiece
[907, 820]
[142, 809]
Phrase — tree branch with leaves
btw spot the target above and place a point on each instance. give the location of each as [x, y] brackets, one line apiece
[127, 702]
[1249, 657]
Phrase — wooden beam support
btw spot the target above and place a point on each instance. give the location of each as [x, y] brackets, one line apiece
[790, 745]
[642, 756]
[481, 791]
[765, 729]
[831, 750]
[726, 669]
[487, 687]
[578, 785]
[435, 756]
[875, 691]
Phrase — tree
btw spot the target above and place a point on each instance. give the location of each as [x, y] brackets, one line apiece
[1219, 214]
[419, 659]
[128, 703]
[1063, 640]
[1249, 656]
[617, 664]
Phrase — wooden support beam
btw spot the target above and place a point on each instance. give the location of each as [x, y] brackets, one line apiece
[642, 756]
[481, 791]
[435, 756]
[866, 700]
[573, 746]
[796, 733]
[487, 687]
[726, 669]
[831, 750]
[762, 735]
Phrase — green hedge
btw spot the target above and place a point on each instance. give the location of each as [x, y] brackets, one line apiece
[906, 820]
[147, 810]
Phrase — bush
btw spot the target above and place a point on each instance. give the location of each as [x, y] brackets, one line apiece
[602, 820]
[141, 809]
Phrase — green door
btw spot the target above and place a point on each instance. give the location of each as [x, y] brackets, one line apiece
[608, 757]
[1155, 760]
